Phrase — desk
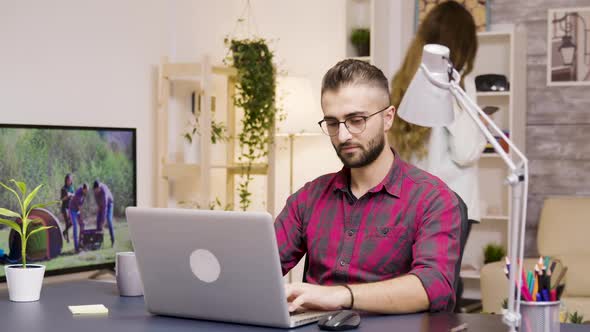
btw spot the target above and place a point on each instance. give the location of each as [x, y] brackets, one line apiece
[128, 314]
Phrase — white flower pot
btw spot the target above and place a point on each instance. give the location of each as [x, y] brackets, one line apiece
[24, 285]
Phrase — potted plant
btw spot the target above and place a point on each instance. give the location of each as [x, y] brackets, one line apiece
[361, 40]
[218, 130]
[24, 280]
[493, 253]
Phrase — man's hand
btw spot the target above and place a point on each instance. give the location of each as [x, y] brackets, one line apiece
[303, 295]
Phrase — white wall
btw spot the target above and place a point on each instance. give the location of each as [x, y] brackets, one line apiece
[87, 63]
[93, 63]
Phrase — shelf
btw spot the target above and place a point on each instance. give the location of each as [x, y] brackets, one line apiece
[498, 30]
[362, 58]
[493, 94]
[495, 217]
[304, 134]
[238, 168]
[470, 274]
[490, 155]
[180, 170]
[494, 34]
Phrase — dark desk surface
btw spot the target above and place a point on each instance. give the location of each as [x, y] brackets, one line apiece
[128, 314]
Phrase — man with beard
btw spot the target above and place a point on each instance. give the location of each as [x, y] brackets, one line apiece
[381, 235]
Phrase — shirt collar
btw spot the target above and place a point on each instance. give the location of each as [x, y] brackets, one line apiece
[392, 183]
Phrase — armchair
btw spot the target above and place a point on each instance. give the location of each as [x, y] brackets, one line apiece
[563, 233]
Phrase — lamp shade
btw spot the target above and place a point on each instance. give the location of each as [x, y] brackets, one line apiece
[295, 97]
[428, 101]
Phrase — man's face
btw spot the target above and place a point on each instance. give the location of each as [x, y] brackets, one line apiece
[96, 190]
[84, 191]
[357, 150]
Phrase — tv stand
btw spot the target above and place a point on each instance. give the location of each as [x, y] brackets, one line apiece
[100, 273]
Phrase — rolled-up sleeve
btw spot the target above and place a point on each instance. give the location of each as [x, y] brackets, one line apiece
[437, 247]
[289, 232]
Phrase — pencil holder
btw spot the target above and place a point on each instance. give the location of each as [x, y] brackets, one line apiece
[539, 316]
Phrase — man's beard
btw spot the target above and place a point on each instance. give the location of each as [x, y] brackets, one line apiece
[365, 156]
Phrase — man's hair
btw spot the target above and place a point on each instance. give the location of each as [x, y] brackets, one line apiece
[351, 71]
[95, 184]
[84, 186]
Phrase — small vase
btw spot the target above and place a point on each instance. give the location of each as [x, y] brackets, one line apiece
[362, 49]
[24, 285]
[191, 151]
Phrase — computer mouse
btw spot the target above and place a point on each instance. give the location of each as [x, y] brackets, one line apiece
[340, 321]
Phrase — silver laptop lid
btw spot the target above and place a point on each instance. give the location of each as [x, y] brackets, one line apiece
[216, 265]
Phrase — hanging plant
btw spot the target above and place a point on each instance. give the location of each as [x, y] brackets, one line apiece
[255, 95]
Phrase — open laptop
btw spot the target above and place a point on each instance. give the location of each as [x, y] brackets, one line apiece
[214, 265]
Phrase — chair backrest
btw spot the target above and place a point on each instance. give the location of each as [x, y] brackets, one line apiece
[564, 226]
[465, 230]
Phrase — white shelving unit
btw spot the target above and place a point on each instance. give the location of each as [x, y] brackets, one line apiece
[197, 182]
[359, 14]
[374, 15]
[501, 51]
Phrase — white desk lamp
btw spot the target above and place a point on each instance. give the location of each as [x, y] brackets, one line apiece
[428, 102]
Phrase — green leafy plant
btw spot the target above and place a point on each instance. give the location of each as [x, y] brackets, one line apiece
[27, 227]
[213, 205]
[493, 253]
[218, 129]
[576, 318]
[255, 95]
[361, 39]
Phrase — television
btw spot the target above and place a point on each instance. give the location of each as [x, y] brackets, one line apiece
[38, 154]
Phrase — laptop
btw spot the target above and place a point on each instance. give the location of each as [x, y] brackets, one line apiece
[213, 265]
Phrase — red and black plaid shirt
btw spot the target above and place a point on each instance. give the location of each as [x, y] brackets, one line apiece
[409, 223]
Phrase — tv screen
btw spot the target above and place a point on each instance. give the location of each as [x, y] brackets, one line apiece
[91, 172]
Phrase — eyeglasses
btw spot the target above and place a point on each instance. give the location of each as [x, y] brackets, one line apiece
[355, 124]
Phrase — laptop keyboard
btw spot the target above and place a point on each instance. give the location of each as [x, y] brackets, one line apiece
[307, 316]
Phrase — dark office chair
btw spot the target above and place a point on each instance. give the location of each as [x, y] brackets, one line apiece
[466, 224]
[465, 230]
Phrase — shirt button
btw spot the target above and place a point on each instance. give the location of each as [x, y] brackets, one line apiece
[350, 232]
[342, 263]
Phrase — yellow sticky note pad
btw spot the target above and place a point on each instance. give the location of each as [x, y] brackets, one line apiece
[93, 309]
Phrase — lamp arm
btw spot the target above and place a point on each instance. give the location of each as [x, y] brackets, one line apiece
[475, 112]
[518, 180]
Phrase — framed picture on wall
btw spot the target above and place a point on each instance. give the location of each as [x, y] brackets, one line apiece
[568, 46]
[478, 9]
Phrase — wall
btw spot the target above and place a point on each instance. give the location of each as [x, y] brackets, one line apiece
[557, 117]
[88, 63]
[94, 63]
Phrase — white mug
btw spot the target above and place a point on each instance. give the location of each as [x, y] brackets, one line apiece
[128, 278]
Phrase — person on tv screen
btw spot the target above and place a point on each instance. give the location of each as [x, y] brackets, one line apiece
[104, 201]
[76, 203]
[67, 191]
[381, 235]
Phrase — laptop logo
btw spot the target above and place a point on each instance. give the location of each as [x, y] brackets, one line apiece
[205, 265]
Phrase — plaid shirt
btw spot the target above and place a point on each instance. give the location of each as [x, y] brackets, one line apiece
[409, 223]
